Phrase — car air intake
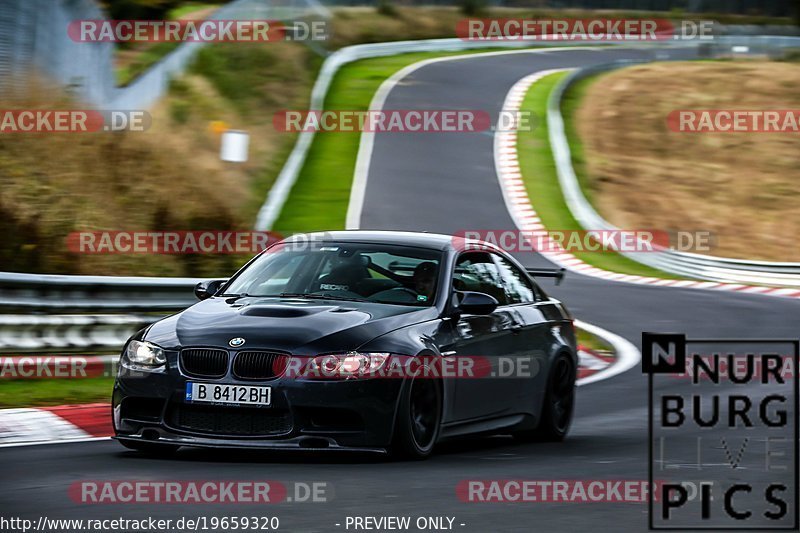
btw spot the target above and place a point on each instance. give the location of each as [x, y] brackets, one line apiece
[204, 362]
[230, 421]
[259, 365]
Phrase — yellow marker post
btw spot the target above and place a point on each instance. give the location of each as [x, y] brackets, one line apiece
[218, 127]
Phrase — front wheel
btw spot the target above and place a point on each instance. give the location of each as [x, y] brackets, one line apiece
[558, 406]
[418, 419]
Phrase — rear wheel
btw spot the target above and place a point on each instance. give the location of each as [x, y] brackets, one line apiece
[418, 419]
[151, 448]
[558, 406]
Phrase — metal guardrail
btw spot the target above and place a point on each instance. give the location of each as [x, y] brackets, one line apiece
[53, 293]
[698, 266]
[34, 308]
[68, 333]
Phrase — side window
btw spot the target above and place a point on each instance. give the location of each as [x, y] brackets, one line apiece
[478, 272]
[518, 288]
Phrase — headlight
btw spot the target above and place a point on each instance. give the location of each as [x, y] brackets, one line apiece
[144, 355]
[351, 365]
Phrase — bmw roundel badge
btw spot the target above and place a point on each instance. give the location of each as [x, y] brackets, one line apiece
[236, 342]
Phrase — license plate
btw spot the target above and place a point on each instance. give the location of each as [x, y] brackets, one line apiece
[228, 394]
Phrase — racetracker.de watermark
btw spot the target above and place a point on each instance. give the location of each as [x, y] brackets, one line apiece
[170, 242]
[196, 31]
[402, 120]
[204, 492]
[355, 365]
[56, 366]
[587, 30]
[640, 240]
[73, 120]
[734, 121]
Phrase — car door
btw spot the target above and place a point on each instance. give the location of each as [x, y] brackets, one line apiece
[485, 339]
[525, 374]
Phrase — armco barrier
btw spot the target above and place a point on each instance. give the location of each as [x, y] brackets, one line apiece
[86, 334]
[53, 293]
[684, 264]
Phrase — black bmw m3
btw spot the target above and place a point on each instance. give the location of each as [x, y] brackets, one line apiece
[353, 340]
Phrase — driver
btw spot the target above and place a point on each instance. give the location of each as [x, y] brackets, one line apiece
[424, 278]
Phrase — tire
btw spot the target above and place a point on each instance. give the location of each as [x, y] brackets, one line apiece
[419, 418]
[558, 405]
[151, 448]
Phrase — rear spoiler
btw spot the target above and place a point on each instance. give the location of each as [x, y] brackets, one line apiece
[557, 273]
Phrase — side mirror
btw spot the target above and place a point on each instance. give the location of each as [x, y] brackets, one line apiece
[476, 303]
[207, 289]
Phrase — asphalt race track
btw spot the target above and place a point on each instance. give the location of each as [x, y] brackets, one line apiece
[442, 183]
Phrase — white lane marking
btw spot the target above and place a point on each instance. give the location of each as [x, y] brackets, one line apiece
[627, 355]
[364, 157]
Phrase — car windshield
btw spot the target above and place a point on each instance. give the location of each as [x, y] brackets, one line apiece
[379, 273]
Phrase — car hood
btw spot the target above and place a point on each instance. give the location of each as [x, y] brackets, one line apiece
[298, 326]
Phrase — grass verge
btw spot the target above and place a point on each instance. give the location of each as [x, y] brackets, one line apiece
[592, 342]
[134, 59]
[45, 392]
[541, 180]
[192, 10]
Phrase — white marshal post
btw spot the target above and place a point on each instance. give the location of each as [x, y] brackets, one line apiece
[234, 146]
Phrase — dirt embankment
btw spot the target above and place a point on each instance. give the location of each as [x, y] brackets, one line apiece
[743, 187]
[168, 178]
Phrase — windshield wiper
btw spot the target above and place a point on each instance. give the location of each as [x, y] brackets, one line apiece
[321, 297]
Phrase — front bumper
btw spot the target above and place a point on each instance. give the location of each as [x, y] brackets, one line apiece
[293, 444]
[304, 414]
